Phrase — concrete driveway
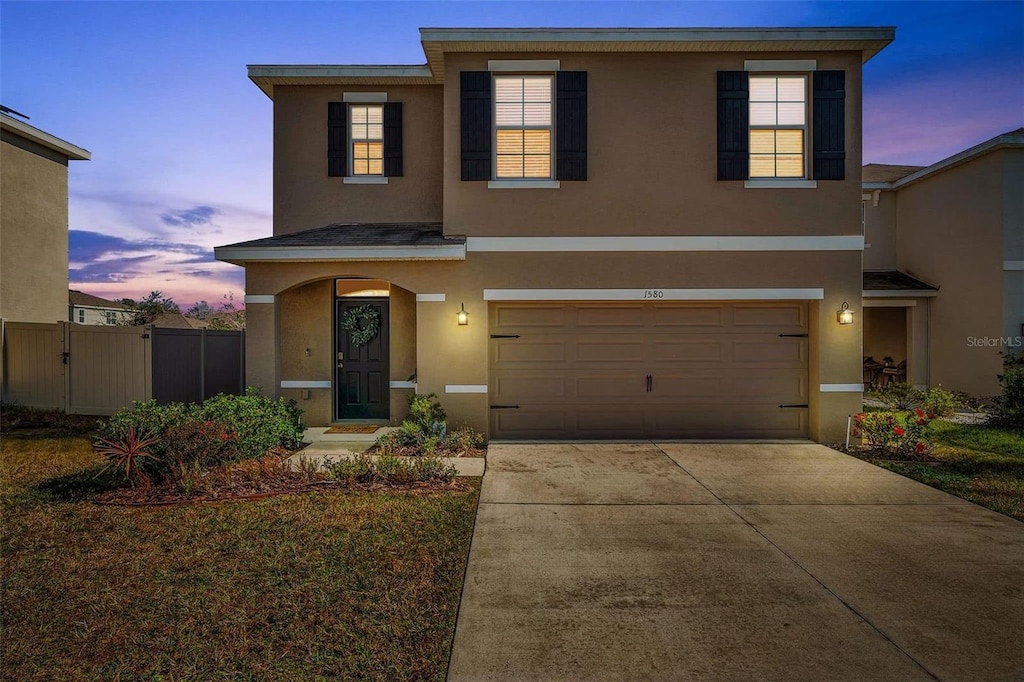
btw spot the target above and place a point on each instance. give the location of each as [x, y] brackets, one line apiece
[732, 561]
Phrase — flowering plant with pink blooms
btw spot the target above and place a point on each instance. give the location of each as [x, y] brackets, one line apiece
[896, 435]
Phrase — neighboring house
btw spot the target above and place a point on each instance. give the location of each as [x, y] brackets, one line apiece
[944, 265]
[88, 309]
[34, 222]
[570, 233]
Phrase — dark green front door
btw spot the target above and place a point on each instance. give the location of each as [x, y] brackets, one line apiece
[363, 376]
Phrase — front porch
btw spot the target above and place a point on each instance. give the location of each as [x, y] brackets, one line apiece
[896, 325]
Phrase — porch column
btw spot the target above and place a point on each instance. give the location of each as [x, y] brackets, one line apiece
[262, 359]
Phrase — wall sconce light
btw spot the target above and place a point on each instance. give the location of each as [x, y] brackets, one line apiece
[463, 316]
[844, 314]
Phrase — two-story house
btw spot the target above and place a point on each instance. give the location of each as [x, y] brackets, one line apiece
[85, 308]
[571, 233]
[944, 265]
[34, 222]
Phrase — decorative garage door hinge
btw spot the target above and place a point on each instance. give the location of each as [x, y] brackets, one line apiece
[504, 407]
[792, 336]
[795, 406]
[504, 336]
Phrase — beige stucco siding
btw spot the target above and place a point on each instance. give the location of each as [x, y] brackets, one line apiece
[33, 233]
[951, 235]
[880, 232]
[1013, 241]
[652, 158]
[305, 197]
[447, 354]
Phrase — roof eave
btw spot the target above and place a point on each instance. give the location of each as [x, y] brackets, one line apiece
[43, 138]
[239, 255]
[266, 76]
[996, 143]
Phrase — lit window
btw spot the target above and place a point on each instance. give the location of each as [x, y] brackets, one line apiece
[522, 118]
[778, 126]
[367, 139]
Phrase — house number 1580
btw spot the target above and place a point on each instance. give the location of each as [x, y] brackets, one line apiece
[654, 293]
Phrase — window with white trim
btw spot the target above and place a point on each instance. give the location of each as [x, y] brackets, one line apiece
[778, 127]
[81, 315]
[111, 317]
[366, 139]
[523, 127]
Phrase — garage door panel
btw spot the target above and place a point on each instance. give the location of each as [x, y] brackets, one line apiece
[620, 350]
[529, 317]
[608, 389]
[528, 388]
[529, 423]
[510, 351]
[709, 421]
[689, 316]
[770, 352]
[685, 350]
[610, 316]
[610, 423]
[774, 316]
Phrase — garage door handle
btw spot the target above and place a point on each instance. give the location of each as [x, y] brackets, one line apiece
[794, 406]
[504, 407]
[650, 383]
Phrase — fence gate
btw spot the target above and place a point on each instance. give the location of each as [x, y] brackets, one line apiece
[109, 367]
[34, 369]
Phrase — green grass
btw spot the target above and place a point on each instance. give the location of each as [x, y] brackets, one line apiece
[336, 585]
[983, 464]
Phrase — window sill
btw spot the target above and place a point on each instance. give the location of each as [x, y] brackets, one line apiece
[780, 184]
[523, 184]
[365, 180]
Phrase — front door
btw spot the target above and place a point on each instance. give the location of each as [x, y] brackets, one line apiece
[363, 376]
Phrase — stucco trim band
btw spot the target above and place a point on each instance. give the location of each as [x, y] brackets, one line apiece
[402, 384]
[780, 184]
[305, 384]
[654, 295]
[841, 388]
[523, 184]
[430, 298]
[568, 244]
[364, 180]
[258, 298]
[890, 303]
[465, 388]
[893, 293]
[312, 254]
[1013, 265]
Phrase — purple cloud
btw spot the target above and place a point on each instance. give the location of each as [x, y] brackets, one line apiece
[192, 217]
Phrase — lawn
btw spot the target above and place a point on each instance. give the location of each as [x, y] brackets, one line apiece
[983, 464]
[326, 585]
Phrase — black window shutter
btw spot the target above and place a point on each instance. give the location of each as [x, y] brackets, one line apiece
[829, 122]
[393, 167]
[475, 123]
[571, 125]
[337, 139]
[733, 125]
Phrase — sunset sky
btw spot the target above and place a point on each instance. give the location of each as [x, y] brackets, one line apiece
[181, 139]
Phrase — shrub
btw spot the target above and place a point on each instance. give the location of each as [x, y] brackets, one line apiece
[259, 422]
[426, 412]
[1008, 411]
[897, 395]
[900, 436]
[941, 402]
[146, 417]
[362, 469]
[462, 440]
[129, 453]
[199, 443]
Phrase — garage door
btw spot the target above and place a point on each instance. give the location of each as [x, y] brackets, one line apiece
[634, 370]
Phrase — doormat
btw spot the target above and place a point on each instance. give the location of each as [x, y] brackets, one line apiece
[356, 428]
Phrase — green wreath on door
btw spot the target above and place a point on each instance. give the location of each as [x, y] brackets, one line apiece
[362, 324]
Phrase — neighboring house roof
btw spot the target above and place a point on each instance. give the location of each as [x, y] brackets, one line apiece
[887, 282]
[41, 137]
[78, 298]
[172, 321]
[1013, 139]
[884, 172]
[438, 41]
[351, 241]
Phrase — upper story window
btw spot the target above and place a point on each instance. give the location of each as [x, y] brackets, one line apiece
[111, 317]
[81, 315]
[523, 127]
[778, 126]
[367, 139]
